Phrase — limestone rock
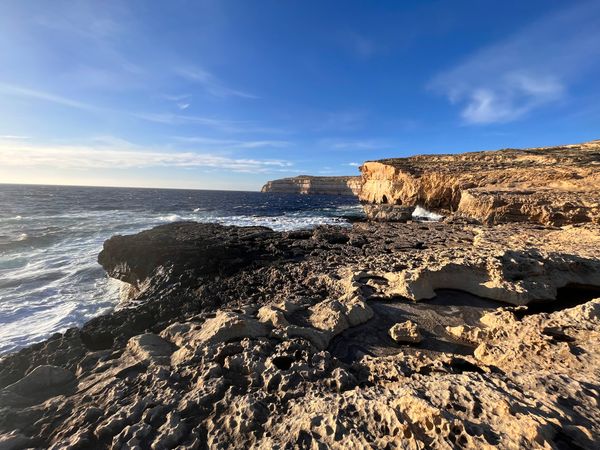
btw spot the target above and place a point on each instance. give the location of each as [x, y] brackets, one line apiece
[150, 348]
[552, 185]
[227, 326]
[406, 333]
[305, 184]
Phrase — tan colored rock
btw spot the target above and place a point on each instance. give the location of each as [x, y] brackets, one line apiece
[406, 333]
[551, 185]
[319, 338]
[305, 184]
[150, 348]
[275, 314]
[336, 316]
[227, 326]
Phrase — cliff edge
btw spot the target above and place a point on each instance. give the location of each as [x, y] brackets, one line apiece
[305, 184]
[548, 185]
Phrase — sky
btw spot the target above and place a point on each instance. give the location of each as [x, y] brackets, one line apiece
[224, 94]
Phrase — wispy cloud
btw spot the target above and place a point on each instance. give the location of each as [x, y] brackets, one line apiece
[356, 144]
[531, 69]
[233, 143]
[354, 164]
[111, 157]
[228, 126]
[13, 137]
[19, 91]
[211, 83]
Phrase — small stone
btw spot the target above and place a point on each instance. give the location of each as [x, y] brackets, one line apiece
[406, 332]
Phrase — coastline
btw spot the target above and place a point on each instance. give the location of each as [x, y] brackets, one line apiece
[384, 332]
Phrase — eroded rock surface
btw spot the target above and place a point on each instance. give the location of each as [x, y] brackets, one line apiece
[551, 185]
[248, 338]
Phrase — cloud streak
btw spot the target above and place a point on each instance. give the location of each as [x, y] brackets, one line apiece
[211, 84]
[19, 91]
[232, 143]
[531, 69]
[89, 157]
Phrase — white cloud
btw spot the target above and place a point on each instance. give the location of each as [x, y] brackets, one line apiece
[531, 69]
[228, 126]
[125, 157]
[13, 136]
[354, 164]
[210, 83]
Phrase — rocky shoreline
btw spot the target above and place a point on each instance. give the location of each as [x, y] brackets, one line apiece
[464, 333]
[245, 337]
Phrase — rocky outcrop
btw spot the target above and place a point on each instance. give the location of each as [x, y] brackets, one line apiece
[249, 338]
[552, 185]
[305, 184]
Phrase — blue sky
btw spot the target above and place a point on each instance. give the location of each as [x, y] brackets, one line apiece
[228, 94]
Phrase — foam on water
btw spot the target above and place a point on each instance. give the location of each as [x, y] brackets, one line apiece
[422, 213]
[50, 238]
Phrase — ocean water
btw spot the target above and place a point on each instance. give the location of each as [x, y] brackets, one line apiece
[50, 237]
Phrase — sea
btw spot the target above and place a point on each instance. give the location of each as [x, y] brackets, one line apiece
[50, 237]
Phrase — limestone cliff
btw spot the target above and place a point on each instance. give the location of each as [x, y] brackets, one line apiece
[305, 184]
[550, 185]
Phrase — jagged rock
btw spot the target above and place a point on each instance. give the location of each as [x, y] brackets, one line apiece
[305, 184]
[551, 185]
[406, 333]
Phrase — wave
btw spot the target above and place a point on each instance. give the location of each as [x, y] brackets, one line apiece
[422, 213]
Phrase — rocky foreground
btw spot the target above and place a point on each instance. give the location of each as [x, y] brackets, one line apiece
[405, 335]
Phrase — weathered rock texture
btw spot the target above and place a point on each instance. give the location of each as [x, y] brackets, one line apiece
[305, 184]
[247, 338]
[551, 185]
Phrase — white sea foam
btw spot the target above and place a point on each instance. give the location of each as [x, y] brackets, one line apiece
[422, 213]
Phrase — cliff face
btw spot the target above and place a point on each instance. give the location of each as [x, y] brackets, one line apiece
[305, 184]
[551, 185]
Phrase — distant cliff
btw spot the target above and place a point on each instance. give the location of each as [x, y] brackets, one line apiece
[305, 184]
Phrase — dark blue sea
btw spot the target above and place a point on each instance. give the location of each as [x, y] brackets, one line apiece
[50, 237]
